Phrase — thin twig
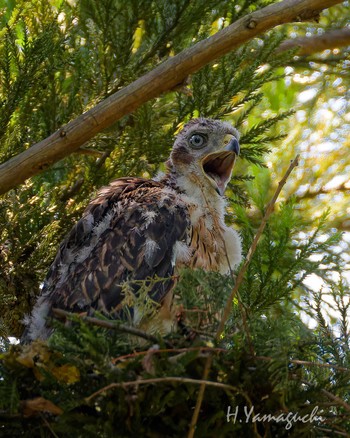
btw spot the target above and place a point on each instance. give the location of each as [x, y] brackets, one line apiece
[160, 380]
[328, 394]
[307, 363]
[91, 152]
[234, 291]
[333, 431]
[200, 396]
[336, 399]
[224, 350]
[169, 350]
[317, 43]
[72, 190]
[113, 325]
[48, 426]
[242, 309]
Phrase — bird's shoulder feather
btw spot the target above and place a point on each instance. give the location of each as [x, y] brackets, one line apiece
[127, 233]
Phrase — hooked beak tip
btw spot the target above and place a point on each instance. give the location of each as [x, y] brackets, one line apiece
[233, 146]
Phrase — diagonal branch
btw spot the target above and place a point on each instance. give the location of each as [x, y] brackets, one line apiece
[163, 78]
[335, 398]
[240, 276]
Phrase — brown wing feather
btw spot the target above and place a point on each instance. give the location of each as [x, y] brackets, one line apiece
[127, 233]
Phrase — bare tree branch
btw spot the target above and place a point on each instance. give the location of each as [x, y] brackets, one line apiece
[307, 363]
[317, 43]
[331, 396]
[87, 151]
[136, 383]
[163, 78]
[311, 194]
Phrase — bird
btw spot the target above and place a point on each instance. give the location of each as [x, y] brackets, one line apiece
[137, 234]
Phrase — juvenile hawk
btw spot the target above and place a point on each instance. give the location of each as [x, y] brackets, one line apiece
[138, 229]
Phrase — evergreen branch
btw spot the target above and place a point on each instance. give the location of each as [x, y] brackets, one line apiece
[234, 291]
[161, 380]
[162, 39]
[163, 78]
[251, 136]
[113, 325]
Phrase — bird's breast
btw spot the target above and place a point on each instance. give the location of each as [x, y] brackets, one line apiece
[206, 246]
[212, 245]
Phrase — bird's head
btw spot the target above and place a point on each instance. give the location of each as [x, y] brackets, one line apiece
[204, 153]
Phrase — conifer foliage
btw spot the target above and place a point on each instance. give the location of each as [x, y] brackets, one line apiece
[273, 373]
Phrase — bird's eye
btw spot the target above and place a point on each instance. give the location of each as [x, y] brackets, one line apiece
[197, 140]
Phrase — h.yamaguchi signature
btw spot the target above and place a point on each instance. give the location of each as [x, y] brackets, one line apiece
[248, 416]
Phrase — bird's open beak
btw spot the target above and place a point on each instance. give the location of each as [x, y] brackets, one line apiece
[218, 166]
